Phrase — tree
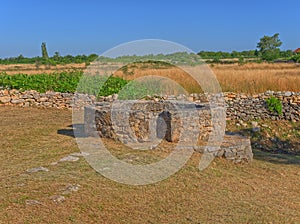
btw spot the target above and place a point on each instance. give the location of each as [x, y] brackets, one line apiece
[269, 47]
[56, 54]
[287, 54]
[44, 51]
[56, 57]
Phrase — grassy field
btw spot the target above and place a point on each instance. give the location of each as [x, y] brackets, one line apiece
[265, 191]
[257, 78]
[247, 78]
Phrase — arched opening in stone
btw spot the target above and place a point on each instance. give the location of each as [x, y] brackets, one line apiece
[163, 126]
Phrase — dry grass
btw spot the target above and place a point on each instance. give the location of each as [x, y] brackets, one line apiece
[171, 73]
[32, 69]
[248, 78]
[257, 78]
[261, 192]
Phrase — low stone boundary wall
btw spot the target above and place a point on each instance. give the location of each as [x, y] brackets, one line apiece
[245, 107]
[239, 106]
[36, 99]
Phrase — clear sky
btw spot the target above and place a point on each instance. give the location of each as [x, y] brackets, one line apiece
[91, 26]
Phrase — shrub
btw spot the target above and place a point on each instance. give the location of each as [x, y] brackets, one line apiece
[296, 58]
[274, 105]
[58, 82]
[66, 82]
[241, 61]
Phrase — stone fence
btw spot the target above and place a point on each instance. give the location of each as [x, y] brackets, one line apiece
[239, 106]
[245, 107]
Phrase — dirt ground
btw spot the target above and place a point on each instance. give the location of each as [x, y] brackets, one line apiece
[265, 191]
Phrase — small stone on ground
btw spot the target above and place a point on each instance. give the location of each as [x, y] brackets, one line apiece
[69, 159]
[58, 198]
[37, 169]
[33, 202]
[71, 188]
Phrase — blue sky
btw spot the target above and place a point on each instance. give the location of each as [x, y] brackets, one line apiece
[84, 27]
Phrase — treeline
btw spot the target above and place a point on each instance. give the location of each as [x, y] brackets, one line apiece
[242, 54]
[175, 58]
[268, 49]
[54, 60]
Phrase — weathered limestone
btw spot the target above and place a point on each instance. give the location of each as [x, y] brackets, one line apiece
[234, 147]
[240, 106]
[189, 124]
[143, 121]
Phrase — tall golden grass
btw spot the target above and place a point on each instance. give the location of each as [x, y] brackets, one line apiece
[248, 78]
[258, 78]
[175, 74]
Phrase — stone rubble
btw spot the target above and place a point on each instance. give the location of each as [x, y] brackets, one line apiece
[70, 188]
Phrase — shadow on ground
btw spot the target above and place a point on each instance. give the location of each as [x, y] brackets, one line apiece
[278, 158]
[270, 149]
[72, 130]
[273, 149]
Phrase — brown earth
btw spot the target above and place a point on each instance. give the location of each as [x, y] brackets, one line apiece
[265, 191]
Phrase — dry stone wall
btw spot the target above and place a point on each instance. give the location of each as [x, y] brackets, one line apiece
[187, 124]
[239, 106]
[36, 99]
[145, 121]
[245, 107]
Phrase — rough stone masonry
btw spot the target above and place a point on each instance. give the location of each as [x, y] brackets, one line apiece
[186, 123]
[245, 107]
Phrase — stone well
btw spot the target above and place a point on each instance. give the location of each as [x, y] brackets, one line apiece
[140, 123]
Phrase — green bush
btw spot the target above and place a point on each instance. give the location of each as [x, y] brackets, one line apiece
[66, 82]
[241, 61]
[296, 58]
[58, 82]
[274, 105]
